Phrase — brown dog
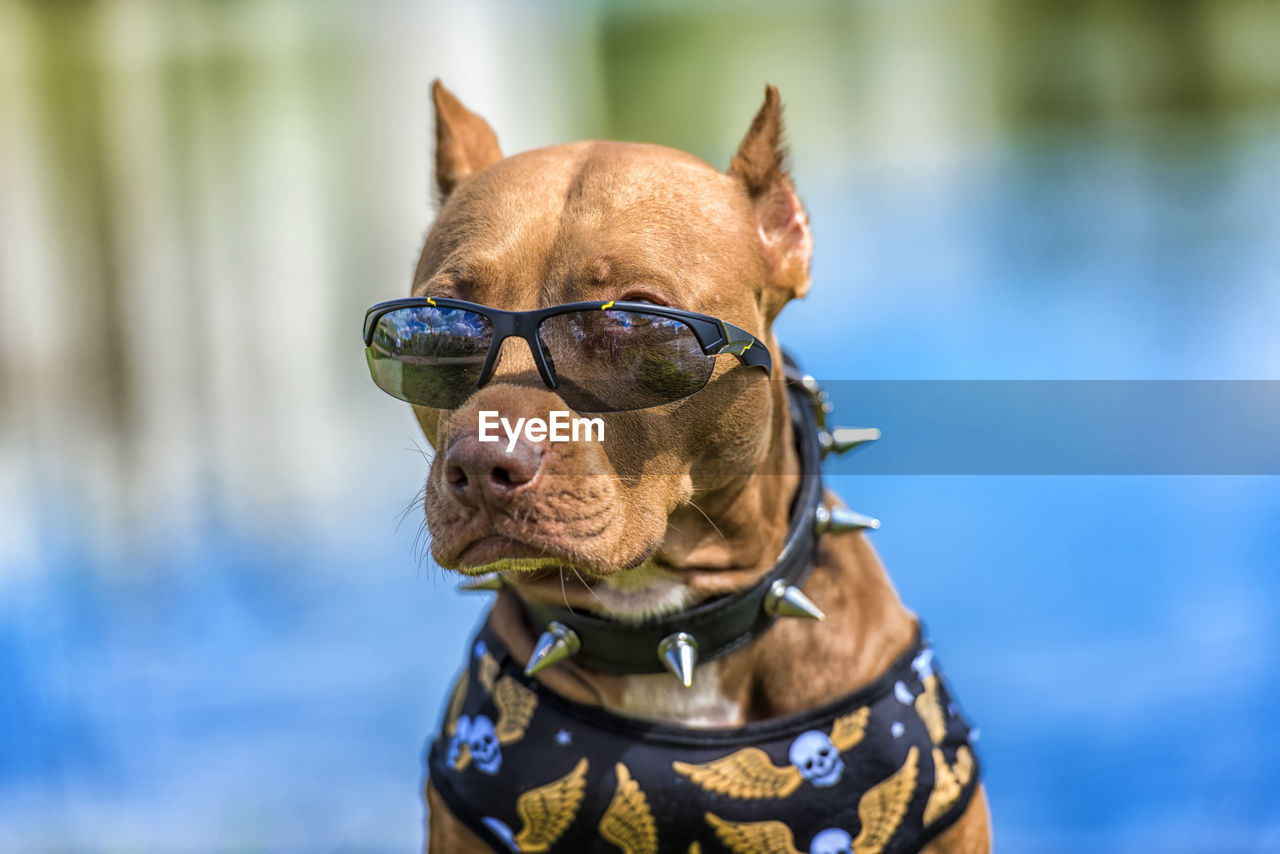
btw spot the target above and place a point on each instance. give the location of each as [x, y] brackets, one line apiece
[683, 502]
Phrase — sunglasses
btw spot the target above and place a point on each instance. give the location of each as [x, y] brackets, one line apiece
[598, 356]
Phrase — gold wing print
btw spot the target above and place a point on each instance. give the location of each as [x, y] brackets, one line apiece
[946, 788]
[455, 704]
[746, 773]
[516, 705]
[930, 710]
[489, 670]
[848, 730]
[463, 756]
[547, 811]
[949, 782]
[754, 837]
[883, 806]
[628, 822]
[964, 765]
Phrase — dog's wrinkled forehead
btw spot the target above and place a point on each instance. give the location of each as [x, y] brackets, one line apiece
[597, 220]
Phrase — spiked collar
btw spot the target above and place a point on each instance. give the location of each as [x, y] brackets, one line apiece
[677, 642]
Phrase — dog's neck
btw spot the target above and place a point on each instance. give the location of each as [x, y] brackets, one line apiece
[723, 541]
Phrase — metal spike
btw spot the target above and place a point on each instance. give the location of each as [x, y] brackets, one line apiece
[819, 398]
[843, 439]
[554, 645]
[491, 581]
[839, 520]
[784, 600]
[679, 654]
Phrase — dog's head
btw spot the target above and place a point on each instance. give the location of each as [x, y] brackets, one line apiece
[670, 487]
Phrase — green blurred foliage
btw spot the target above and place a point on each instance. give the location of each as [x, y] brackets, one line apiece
[685, 74]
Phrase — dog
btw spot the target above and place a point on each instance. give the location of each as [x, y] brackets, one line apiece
[685, 505]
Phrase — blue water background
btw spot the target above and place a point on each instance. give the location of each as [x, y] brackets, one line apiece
[1114, 637]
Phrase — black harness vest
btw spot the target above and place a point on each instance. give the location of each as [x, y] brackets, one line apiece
[884, 769]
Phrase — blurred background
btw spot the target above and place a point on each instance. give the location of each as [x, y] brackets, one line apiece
[217, 628]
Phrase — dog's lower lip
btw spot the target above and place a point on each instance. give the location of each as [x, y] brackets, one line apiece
[491, 549]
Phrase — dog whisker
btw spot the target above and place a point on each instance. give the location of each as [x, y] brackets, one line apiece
[418, 501]
[422, 551]
[592, 591]
[564, 594]
[710, 521]
[426, 458]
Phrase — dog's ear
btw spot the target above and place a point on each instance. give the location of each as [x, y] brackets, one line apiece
[782, 225]
[465, 143]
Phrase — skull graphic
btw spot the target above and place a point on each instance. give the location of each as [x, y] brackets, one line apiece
[922, 664]
[817, 758]
[833, 840]
[481, 740]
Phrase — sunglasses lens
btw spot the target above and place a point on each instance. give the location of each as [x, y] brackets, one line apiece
[612, 361]
[429, 356]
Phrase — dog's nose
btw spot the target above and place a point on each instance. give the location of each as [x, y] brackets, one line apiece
[484, 472]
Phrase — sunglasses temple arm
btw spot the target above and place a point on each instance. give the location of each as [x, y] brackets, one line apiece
[747, 347]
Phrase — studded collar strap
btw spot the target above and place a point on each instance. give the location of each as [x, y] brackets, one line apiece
[675, 642]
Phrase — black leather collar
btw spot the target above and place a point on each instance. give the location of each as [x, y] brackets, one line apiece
[725, 623]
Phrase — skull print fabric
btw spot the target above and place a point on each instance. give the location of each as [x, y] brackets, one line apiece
[882, 770]
[481, 740]
[816, 758]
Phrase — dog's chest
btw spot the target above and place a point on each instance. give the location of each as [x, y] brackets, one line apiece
[661, 698]
[647, 592]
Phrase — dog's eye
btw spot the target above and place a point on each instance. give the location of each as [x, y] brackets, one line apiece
[641, 296]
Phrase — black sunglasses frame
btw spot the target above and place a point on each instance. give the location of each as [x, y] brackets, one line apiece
[715, 336]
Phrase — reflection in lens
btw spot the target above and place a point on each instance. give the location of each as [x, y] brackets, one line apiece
[429, 356]
[610, 361]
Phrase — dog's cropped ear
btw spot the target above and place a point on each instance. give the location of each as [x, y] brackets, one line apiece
[781, 223]
[465, 143]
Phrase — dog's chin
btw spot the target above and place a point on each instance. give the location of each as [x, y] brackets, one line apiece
[496, 553]
[520, 558]
[630, 595]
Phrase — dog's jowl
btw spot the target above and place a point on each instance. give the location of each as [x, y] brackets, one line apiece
[693, 646]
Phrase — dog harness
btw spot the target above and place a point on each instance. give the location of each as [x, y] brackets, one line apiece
[884, 769]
